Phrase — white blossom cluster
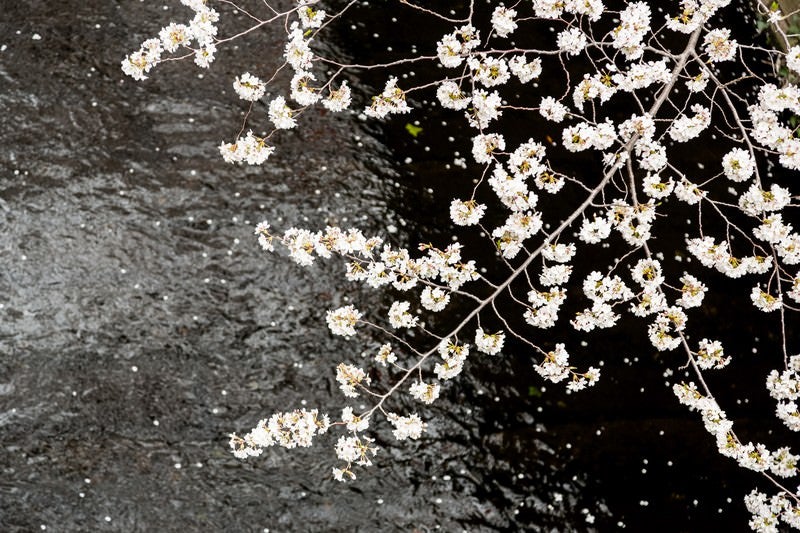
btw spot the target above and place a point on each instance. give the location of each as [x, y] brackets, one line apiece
[453, 356]
[352, 449]
[717, 255]
[198, 36]
[757, 457]
[406, 427]
[711, 355]
[350, 378]
[489, 343]
[391, 101]
[636, 105]
[768, 512]
[785, 387]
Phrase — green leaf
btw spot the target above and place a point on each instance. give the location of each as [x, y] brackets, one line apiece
[534, 391]
[413, 130]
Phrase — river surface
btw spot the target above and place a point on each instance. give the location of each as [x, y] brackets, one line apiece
[140, 323]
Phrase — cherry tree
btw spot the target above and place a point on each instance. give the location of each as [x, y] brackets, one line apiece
[624, 88]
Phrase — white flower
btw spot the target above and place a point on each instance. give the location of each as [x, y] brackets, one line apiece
[655, 188]
[641, 125]
[311, 18]
[548, 9]
[434, 299]
[297, 52]
[685, 128]
[789, 414]
[385, 355]
[391, 101]
[202, 26]
[141, 61]
[350, 377]
[692, 292]
[661, 332]
[339, 99]
[339, 473]
[525, 70]
[526, 160]
[793, 58]
[252, 150]
[710, 354]
[651, 301]
[719, 46]
[399, 317]
[342, 321]
[354, 423]
[755, 201]
[647, 273]
[301, 244]
[204, 56]
[451, 96]
[555, 366]
[601, 316]
[174, 36]
[592, 9]
[784, 462]
[484, 146]
[503, 21]
[347, 449]
[688, 192]
[407, 427]
[789, 248]
[773, 230]
[249, 88]
[698, 83]
[280, 114]
[453, 356]
[592, 87]
[594, 231]
[652, 155]
[764, 300]
[738, 165]
[634, 24]
[572, 41]
[485, 108]
[489, 343]
[264, 237]
[560, 253]
[424, 392]
[555, 275]
[451, 48]
[489, 71]
[302, 92]
[289, 430]
[552, 109]
[466, 213]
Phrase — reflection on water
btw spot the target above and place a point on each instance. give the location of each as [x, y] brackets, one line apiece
[139, 322]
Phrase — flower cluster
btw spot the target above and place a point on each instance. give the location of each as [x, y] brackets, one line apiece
[757, 457]
[292, 429]
[785, 387]
[200, 32]
[631, 105]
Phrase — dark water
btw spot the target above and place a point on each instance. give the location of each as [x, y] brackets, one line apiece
[140, 324]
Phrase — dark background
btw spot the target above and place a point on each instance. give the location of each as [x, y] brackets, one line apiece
[140, 323]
